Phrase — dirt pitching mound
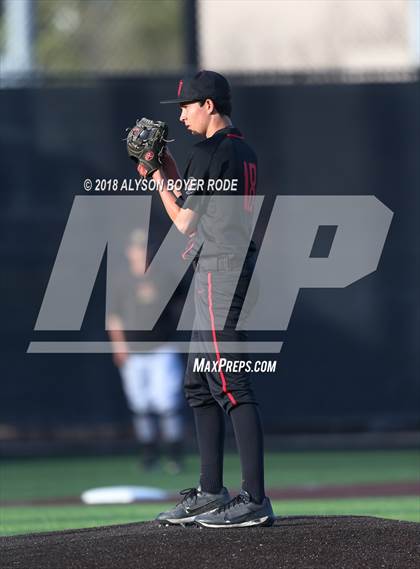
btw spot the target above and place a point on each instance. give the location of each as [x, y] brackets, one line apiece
[308, 542]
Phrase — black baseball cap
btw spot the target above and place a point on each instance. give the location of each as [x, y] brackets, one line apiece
[203, 85]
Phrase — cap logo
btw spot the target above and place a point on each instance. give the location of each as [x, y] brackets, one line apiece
[180, 84]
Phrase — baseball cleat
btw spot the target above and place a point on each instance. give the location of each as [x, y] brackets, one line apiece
[238, 513]
[193, 503]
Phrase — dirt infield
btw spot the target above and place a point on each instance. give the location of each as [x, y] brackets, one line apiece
[304, 542]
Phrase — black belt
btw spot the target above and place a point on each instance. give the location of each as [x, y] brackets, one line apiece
[219, 263]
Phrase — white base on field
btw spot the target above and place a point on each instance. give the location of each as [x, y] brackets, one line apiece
[123, 495]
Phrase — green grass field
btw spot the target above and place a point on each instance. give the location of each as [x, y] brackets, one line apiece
[58, 478]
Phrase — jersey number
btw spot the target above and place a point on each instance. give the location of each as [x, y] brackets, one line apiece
[250, 178]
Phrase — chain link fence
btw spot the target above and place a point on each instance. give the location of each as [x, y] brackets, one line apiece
[309, 35]
[91, 36]
[114, 37]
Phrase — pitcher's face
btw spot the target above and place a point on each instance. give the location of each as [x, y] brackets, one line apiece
[195, 117]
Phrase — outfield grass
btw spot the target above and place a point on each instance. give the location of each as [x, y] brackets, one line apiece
[55, 478]
[52, 518]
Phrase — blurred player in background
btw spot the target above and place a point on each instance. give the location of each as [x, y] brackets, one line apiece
[152, 382]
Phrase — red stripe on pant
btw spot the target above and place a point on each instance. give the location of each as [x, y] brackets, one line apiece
[216, 347]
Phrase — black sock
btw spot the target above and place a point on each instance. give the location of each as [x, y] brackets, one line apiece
[249, 439]
[210, 427]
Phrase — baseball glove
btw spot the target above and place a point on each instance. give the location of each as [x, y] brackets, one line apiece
[146, 142]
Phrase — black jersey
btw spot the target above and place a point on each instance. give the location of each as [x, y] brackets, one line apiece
[225, 224]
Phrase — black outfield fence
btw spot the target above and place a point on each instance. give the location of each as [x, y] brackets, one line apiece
[350, 359]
